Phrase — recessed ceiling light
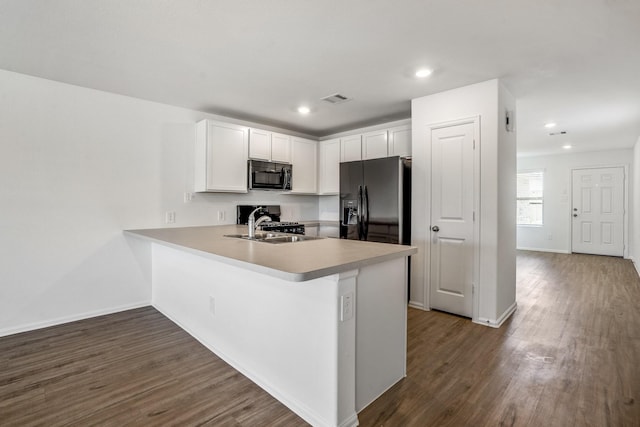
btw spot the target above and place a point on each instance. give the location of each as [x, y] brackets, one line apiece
[423, 72]
[550, 125]
[304, 110]
[567, 147]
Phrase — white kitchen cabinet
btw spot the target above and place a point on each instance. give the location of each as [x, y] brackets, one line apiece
[374, 145]
[400, 141]
[329, 167]
[280, 148]
[221, 157]
[304, 157]
[351, 148]
[269, 146]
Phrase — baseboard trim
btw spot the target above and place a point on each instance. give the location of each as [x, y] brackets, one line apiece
[500, 320]
[555, 251]
[418, 305]
[68, 319]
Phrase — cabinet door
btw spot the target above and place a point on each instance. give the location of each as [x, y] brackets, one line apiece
[351, 148]
[259, 144]
[305, 161]
[400, 141]
[329, 173]
[280, 148]
[221, 157]
[374, 145]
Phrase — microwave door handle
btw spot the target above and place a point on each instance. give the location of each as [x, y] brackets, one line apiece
[286, 179]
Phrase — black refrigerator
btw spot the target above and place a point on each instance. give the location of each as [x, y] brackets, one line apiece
[375, 200]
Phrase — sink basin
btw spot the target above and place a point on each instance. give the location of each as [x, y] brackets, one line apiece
[290, 238]
[275, 237]
[258, 236]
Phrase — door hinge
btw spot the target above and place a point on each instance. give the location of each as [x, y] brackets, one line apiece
[474, 216]
[474, 144]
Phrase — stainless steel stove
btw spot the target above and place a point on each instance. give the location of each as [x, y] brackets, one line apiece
[272, 211]
[283, 227]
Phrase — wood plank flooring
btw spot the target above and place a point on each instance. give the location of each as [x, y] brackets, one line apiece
[569, 356]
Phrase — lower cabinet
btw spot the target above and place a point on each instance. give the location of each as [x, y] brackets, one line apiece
[304, 158]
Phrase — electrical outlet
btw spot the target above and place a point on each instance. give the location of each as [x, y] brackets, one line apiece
[550, 237]
[188, 197]
[346, 307]
[170, 217]
[221, 216]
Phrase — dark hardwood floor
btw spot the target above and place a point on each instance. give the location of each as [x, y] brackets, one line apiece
[569, 356]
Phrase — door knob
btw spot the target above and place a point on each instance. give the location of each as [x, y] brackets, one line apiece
[575, 215]
[435, 228]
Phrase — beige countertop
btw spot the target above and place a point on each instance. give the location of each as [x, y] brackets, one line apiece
[296, 262]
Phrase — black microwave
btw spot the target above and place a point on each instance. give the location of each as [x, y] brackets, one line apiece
[269, 175]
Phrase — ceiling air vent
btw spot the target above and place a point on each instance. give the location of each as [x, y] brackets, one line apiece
[336, 98]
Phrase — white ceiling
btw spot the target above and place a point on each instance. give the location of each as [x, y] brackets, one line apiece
[575, 62]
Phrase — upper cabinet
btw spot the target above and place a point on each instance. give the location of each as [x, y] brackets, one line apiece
[280, 148]
[304, 153]
[221, 157]
[394, 141]
[374, 145]
[400, 141]
[351, 148]
[329, 167]
[269, 146]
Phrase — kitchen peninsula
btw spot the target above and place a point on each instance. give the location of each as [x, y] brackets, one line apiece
[319, 324]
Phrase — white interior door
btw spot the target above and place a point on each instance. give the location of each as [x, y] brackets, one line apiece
[452, 219]
[598, 211]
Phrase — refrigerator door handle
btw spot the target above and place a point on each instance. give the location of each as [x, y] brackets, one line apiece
[360, 216]
[365, 224]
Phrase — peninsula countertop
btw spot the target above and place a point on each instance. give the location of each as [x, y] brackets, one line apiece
[297, 262]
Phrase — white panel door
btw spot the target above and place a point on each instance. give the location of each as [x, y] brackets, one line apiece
[452, 217]
[598, 211]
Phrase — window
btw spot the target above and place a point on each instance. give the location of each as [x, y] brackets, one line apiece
[530, 191]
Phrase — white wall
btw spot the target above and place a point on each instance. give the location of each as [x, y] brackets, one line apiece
[77, 167]
[635, 212]
[496, 282]
[555, 233]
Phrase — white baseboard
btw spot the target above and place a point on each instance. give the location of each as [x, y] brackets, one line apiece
[67, 319]
[555, 251]
[500, 320]
[418, 305]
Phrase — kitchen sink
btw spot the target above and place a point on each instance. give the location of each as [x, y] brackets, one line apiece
[257, 236]
[290, 238]
[275, 237]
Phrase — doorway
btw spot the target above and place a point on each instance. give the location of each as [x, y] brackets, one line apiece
[453, 229]
[597, 211]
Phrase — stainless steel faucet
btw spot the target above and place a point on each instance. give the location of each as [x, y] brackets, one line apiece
[252, 223]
